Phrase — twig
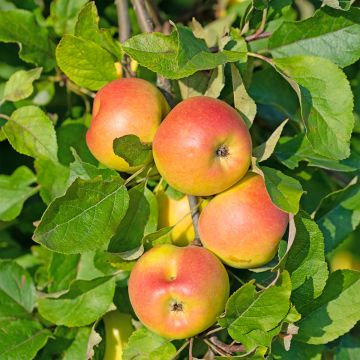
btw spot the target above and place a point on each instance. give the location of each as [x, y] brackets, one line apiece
[256, 36]
[191, 349]
[262, 57]
[184, 345]
[230, 349]
[154, 13]
[123, 19]
[213, 331]
[215, 348]
[3, 116]
[144, 20]
[195, 218]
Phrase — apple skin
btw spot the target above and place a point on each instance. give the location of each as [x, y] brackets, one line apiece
[242, 226]
[202, 147]
[123, 107]
[172, 288]
[176, 213]
[118, 328]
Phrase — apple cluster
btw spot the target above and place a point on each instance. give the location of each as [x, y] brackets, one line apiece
[201, 147]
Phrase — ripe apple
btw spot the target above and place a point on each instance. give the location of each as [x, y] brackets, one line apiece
[176, 213]
[202, 147]
[172, 290]
[123, 107]
[118, 328]
[241, 225]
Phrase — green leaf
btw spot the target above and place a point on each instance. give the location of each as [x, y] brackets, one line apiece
[52, 178]
[298, 351]
[17, 291]
[141, 219]
[84, 303]
[145, 345]
[85, 62]
[20, 86]
[330, 34]
[132, 150]
[20, 26]
[62, 271]
[291, 150]
[333, 313]
[216, 82]
[250, 316]
[242, 101]
[14, 190]
[86, 171]
[32, 133]
[72, 134]
[177, 55]
[87, 27]
[327, 103]
[338, 4]
[265, 150]
[339, 215]
[285, 192]
[21, 339]
[79, 347]
[348, 348]
[85, 218]
[306, 262]
[63, 15]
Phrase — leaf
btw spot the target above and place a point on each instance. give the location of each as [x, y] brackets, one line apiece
[17, 291]
[193, 85]
[298, 351]
[21, 339]
[20, 26]
[84, 303]
[79, 347]
[216, 82]
[330, 34]
[327, 103]
[132, 150]
[52, 178]
[14, 190]
[20, 86]
[145, 345]
[333, 313]
[265, 150]
[348, 348]
[338, 4]
[291, 150]
[178, 55]
[339, 215]
[85, 62]
[242, 101]
[250, 315]
[32, 133]
[306, 262]
[62, 271]
[63, 15]
[140, 219]
[285, 192]
[87, 27]
[85, 218]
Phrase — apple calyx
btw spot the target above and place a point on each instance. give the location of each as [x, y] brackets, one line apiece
[222, 151]
[176, 306]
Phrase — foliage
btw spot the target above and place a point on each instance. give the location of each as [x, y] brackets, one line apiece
[71, 229]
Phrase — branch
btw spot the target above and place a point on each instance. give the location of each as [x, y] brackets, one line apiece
[144, 20]
[123, 19]
[229, 349]
[256, 36]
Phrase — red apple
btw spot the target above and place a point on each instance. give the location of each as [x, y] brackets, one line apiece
[123, 107]
[202, 147]
[241, 225]
[177, 292]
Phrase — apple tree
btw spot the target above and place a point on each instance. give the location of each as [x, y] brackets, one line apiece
[179, 179]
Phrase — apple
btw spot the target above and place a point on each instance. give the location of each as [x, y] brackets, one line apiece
[118, 328]
[176, 213]
[123, 107]
[242, 226]
[202, 147]
[172, 289]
